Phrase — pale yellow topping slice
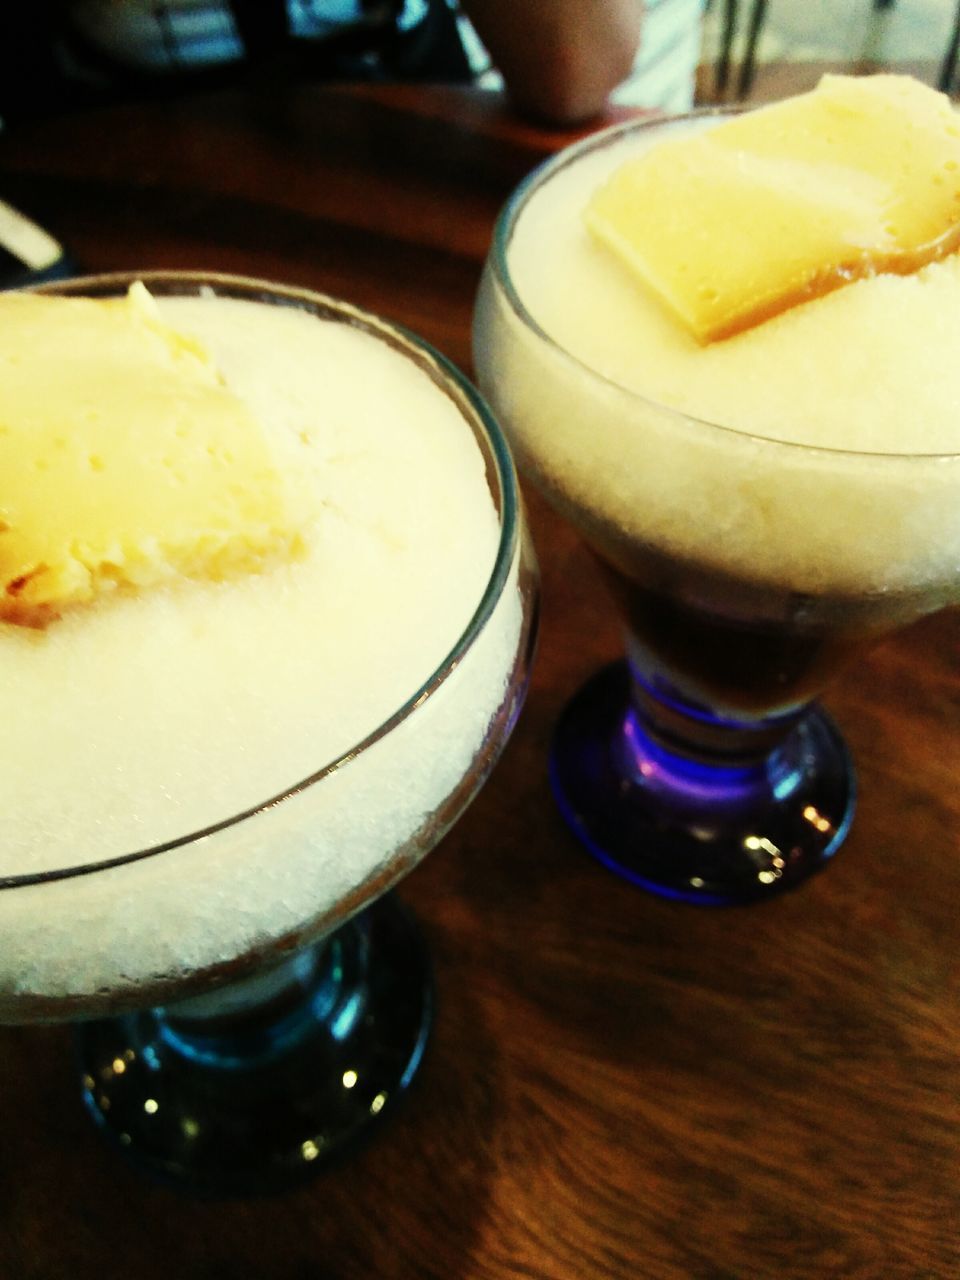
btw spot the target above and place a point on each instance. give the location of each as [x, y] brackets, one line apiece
[733, 225]
[124, 460]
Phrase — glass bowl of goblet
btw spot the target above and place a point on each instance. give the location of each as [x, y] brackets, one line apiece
[748, 568]
[250, 998]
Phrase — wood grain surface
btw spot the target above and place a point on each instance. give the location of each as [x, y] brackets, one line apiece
[618, 1087]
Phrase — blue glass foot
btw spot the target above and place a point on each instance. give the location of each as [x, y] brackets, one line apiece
[262, 1084]
[705, 825]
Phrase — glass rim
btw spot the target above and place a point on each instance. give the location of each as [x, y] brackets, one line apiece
[503, 230]
[477, 415]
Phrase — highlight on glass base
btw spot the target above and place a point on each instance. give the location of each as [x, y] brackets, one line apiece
[763, 508]
[216, 783]
[684, 818]
[260, 1084]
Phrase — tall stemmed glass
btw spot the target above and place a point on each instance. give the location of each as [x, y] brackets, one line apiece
[699, 767]
[252, 999]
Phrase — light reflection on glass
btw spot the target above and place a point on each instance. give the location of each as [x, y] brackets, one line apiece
[760, 844]
[786, 784]
[816, 819]
[343, 1023]
[756, 843]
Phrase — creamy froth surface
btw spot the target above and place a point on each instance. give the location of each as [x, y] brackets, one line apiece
[148, 716]
[153, 715]
[870, 367]
[815, 488]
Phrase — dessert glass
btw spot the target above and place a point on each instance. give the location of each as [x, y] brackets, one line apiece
[278, 1004]
[699, 767]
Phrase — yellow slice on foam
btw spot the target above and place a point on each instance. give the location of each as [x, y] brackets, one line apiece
[124, 460]
[732, 225]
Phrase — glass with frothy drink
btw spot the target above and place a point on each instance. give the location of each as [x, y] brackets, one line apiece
[763, 507]
[228, 746]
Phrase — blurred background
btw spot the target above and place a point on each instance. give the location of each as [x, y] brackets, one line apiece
[797, 40]
[59, 54]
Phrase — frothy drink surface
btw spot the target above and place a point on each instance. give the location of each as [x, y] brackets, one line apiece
[144, 717]
[869, 367]
[148, 717]
[605, 413]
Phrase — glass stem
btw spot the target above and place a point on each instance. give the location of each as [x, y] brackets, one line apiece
[688, 758]
[257, 1019]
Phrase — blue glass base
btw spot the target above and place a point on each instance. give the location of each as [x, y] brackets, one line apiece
[269, 1090]
[700, 827]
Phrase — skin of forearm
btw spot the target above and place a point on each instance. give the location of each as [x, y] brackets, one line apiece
[560, 59]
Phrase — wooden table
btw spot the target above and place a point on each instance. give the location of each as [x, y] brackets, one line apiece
[617, 1086]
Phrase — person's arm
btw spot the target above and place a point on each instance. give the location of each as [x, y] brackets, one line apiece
[560, 59]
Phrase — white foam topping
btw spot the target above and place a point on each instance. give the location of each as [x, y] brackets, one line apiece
[870, 368]
[146, 718]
